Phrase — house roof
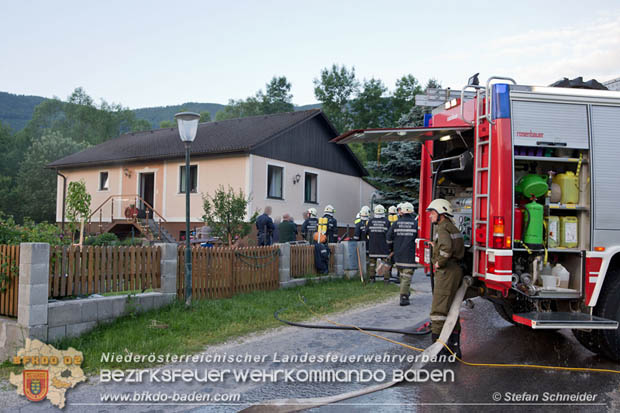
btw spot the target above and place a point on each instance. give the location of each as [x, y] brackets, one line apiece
[229, 136]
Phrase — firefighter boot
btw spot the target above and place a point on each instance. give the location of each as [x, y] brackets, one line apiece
[404, 300]
[455, 343]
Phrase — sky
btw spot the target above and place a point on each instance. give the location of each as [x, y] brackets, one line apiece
[156, 53]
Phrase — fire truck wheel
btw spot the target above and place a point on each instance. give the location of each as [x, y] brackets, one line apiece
[589, 339]
[608, 306]
[504, 313]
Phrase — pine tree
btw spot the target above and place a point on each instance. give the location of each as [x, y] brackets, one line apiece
[397, 175]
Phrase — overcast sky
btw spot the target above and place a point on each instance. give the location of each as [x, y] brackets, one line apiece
[153, 53]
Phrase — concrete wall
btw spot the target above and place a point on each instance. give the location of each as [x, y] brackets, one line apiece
[347, 194]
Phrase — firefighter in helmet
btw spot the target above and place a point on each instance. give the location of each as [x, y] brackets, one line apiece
[310, 226]
[331, 224]
[401, 237]
[392, 214]
[448, 251]
[361, 226]
[378, 247]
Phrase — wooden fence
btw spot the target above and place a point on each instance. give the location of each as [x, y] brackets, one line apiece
[302, 260]
[97, 270]
[223, 272]
[9, 287]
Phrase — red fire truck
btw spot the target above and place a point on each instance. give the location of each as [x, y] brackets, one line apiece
[530, 172]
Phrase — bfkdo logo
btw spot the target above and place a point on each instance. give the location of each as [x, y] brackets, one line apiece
[36, 384]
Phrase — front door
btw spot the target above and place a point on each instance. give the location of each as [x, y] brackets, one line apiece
[146, 190]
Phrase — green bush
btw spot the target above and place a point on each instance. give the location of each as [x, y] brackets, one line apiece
[11, 233]
[107, 238]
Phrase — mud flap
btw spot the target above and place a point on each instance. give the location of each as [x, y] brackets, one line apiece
[294, 405]
[555, 320]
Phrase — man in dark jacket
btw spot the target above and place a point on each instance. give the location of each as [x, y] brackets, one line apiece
[265, 227]
[310, 226]
[401, 237]
[378, 247]
[287, 229]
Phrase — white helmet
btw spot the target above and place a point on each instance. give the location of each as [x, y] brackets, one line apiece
[399, 206]
[406, 207]
[312, 212]
[441, 206]
[364, 212]
[379, 210]
[392, 210]
[329, 209]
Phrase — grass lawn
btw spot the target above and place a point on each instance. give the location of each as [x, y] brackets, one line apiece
[213, 321]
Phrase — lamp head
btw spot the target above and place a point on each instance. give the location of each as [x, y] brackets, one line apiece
[188, 125]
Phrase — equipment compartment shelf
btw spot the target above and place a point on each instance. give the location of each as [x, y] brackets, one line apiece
[569, 207]
[548, 159]
[567, 250]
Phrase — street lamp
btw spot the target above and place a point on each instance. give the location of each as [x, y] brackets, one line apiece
[188, 125]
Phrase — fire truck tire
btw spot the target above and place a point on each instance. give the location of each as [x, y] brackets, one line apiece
[608, 306]
[589, 339]
[504, 313]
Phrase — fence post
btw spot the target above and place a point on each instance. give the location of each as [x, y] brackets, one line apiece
[285, 262]
[339, 259]
[34, 258]
[168, 265]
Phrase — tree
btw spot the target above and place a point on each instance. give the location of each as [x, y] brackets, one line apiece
[36, 185]
[166, 124]
[335, 89]
[276, 99]
[224, 214]
[403, 99]
[78, 206]
[371, 109]
[397, 176]
[204, 117]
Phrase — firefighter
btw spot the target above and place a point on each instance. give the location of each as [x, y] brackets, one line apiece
[448, 251]
[361, 226]
[332, 224]
[378, 247]
[401, 238]
[310, 226]
[265, 227]
[399, 209]
[392, 214]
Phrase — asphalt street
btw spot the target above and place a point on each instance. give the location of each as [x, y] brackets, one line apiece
[486, 339]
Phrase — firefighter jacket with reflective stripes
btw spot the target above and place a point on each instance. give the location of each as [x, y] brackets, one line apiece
[401, 237]
[448, 243]
[361, 230]
[377, 244]
[309, 227]
[332, 228]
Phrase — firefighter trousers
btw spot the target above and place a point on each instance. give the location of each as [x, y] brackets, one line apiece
[447, 282]
[372, 267]
[406, 274]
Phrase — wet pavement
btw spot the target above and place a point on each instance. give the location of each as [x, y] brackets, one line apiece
[486, 339]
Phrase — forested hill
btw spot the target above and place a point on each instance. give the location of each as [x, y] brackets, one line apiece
[17, 110]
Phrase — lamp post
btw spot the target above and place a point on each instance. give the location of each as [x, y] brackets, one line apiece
[188, 125]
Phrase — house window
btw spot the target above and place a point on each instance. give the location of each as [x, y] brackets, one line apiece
[310, 183]
[274, 181]
[193, 179]
[103, 181]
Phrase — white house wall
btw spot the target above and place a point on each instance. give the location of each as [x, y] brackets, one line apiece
[344, 192]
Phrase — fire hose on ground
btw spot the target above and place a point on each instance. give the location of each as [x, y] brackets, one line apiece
[294, 404]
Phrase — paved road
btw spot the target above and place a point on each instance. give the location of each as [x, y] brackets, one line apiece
[487, 338]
